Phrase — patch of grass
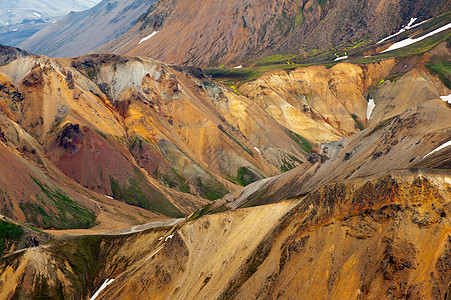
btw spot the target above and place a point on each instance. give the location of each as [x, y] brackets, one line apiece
[210, 189]
[289, 164]
[359, 124]
[137, 192]
[175, 181]
[61, 213]
[441, 66]
[301, 141]
[201, 212]
[246, 176]
[9, 233]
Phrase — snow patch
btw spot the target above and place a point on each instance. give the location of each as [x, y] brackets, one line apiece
[410, 41]
[147, 37]
[160, 238]
[340, 58]
[15, 29]
[412, 20]
[446, 98]
[438, 149]
[169, 237]
[109, 197]
[258, 150]
[238, 67]
[369, 108]
[102, 287]
[36, 14]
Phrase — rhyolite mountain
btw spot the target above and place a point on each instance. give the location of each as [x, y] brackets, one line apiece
[80, 32]
[214, 33]
[284, 181]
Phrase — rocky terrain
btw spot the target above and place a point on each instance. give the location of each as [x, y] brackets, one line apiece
[8, 54]
[125, 177]
[237, 33]
[80, 32]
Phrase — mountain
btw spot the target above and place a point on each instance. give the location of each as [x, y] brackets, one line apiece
[14, 34]
[188, 33]
[80, 32]
[377, 232]
[15, 11]
[293, 176]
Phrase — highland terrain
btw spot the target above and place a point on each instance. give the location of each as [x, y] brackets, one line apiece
[272, 172]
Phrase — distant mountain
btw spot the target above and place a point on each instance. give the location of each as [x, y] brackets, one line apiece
[80, 32]
[214, 33]
[15, 11]
[14, 34]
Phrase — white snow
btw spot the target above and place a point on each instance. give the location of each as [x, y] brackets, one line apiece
[15, 29]
[412, 20]
[169, 237]
[438, 148]
[36, 14]
[340, 58]
[446, 98]
[160, 238]
[109, 197]
[258, 150]
[367, 56]
[102, 287]
[410, 41]
[369, 108]
[147, 37]
[238, 67]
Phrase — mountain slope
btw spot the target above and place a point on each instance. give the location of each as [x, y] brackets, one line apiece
[80, 32]
[190, 34]
[15, 11]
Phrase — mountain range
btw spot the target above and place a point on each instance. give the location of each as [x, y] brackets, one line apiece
[81, 32]
[229, 150]
[15, 11]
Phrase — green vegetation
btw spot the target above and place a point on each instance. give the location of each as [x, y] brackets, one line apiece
[61, 213]
[9, 233]
[138, 192]
[301, 141]
[359, 124]
[211, 188]
[289, 164]
[201, 212]
[441, 66]
[175, 180]
[246, 176]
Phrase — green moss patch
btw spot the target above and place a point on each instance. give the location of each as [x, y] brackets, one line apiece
[441, 66]
[57, 210]
[137, 192]
[9, 234]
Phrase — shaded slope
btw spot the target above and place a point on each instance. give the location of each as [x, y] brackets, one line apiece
[14, 11]
[8, 54]
[80, 32]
